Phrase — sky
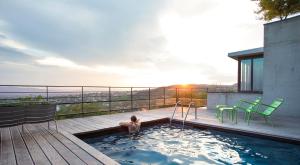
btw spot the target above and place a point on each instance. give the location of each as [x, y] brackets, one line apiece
[124, 42]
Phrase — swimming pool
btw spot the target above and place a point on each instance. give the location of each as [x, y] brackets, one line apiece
[164, 144]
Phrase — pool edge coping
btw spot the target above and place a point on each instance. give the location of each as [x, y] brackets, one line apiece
[109, 130]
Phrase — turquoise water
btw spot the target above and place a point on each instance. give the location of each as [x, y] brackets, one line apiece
[165, 145]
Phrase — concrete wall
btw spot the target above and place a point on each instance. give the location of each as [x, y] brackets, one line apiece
[214, 99]
[282, 64]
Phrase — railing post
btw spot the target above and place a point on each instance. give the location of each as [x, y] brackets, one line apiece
[82, 100]
[164, 96]
[195, 111]
[47, 94]
[206, 96]
[149, 103]
[181, 110]
[191, 94]
[176, 96]
[109, 98]
[131, 99]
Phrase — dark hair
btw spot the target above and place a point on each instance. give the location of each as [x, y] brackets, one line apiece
[133, 118]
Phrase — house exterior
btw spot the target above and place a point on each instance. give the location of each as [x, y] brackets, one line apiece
[270, 72]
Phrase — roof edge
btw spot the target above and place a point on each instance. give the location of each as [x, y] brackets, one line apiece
[248, 52]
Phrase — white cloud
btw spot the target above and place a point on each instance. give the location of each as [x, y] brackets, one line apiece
[12, 44]
[106, 69]
[60, 62]
[144, 43]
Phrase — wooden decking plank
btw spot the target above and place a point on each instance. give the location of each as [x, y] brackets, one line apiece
[7, 150]
[106, 125]
[60, 148]
[62, 126]
[83, 125]
[50, 152]
[65, 126]
[92, 151]
[78, 127]
[82, 154]
[97, 120]
[105, 122]
[150, 116]
[34, 149]
[87, 121]
[21, 151]
[112, 122]
[72, 129]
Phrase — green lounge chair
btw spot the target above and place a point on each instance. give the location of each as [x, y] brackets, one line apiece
[267, 110]
[249, 106]
[232, 110]
[242, 105]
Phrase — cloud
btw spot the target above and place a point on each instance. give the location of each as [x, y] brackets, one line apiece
[2, 36]
[87, 31]
[11, 43]
[106, 69]
[14, 53]
[128, 42]
[60, 62]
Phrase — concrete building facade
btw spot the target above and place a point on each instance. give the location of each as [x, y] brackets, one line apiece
[271, 72]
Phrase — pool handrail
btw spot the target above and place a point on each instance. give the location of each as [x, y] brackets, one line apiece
[190, 105]
[175, 108]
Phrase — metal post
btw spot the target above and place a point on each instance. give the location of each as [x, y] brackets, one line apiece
[195, 111]
[164, 96]
[82, 100]
[47, 93]
[191, 94]
[149, 104]
[181, 110]
[176, 96]
[131, 99]
[109, 98]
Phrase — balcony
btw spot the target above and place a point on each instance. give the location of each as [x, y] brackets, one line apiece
[37, 144]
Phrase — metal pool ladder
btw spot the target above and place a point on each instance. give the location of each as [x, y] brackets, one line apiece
[176, 105]
[190, 106]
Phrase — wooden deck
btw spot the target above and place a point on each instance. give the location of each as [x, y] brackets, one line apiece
[38, 145]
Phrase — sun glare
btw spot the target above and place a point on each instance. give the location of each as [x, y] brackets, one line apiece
[184, 85]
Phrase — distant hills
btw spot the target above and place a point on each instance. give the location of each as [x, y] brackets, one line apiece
[207, 87]
[10, 91]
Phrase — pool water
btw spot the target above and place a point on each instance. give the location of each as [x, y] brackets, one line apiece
[164, 144]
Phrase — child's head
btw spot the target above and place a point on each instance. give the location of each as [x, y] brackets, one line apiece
[133, 118]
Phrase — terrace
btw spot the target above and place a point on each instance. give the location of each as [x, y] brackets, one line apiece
[37, 144]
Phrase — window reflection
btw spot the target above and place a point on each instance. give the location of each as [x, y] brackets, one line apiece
[258, 64]
[251, 74]
[246, 75]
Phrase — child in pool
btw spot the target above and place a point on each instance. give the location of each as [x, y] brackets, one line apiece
[133, 126]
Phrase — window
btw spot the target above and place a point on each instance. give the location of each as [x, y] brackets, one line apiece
[246, 75]
[258, 64]
[251, 74]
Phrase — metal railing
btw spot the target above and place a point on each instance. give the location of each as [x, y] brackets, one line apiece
[187, 113]
[175, 108]
[83, 100]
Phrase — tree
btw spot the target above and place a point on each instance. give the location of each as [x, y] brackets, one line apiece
[277, 8]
